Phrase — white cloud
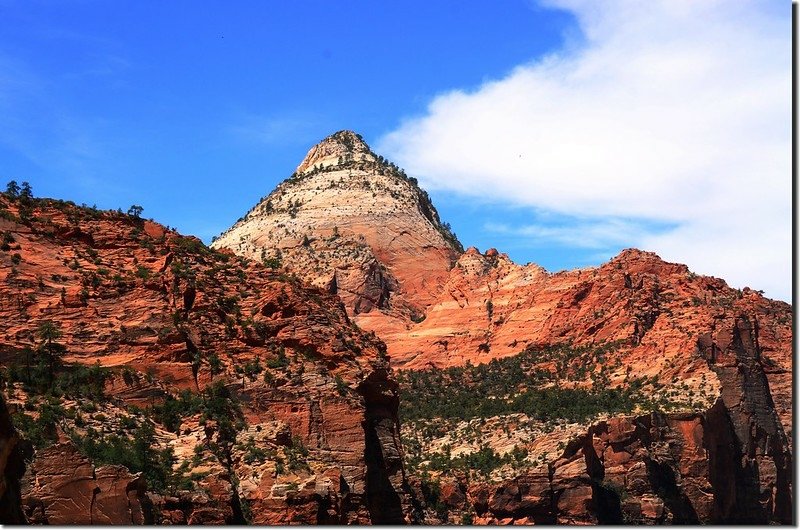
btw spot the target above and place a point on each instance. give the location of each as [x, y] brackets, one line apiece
[579, 233]
[674, 111]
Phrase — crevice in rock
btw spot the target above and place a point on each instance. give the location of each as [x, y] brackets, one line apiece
[663, 481]
[606, 501]
[236, 506]
[748, 448]
[383, 502]
[607, 504]
[189, 296]
[723, 456]
[385, 479]
[14, 452]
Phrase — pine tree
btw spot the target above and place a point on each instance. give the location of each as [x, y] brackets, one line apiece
[49, 332]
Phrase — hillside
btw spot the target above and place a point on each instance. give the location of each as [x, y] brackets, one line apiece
[636, 343]
[229, 393]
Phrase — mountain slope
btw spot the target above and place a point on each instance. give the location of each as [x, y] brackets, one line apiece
[246, 395]
[352, 223]
[634, 342]
[657, 311]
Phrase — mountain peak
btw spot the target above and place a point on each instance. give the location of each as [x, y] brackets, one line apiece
[339, 147]
[353, 223]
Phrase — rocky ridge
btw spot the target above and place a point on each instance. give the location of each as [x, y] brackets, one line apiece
[298, 416]
[493, 308]
[665, 325]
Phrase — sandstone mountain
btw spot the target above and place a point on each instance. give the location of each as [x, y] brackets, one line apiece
[354, 224]
[671, 340]
[337, 357]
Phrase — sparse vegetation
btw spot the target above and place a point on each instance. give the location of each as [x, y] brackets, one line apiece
[140, 453]
[519, 385]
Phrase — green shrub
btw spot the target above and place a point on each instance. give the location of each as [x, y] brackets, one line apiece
[138, 454]
[41, 431]
[296, 455]
[341, 386]
[280, 361]
[142, 272]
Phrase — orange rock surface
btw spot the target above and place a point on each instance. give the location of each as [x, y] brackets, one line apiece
[342, 225]
[342, 271]
[491, 307]
[130, 295]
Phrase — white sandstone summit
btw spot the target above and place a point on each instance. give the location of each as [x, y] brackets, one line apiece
[337, 149]
[351, 222]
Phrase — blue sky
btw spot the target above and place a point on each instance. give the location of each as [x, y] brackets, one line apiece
[196, 110]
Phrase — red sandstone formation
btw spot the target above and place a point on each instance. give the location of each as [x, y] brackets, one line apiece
[153, 307]
[669, 324]
[730, 463]
[64, 488]
[492, 308]
[318, 440]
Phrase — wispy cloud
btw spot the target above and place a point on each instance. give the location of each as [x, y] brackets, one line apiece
[35, 126]
[580, 233]
[668, 111]
[276, 130]
[40, 126]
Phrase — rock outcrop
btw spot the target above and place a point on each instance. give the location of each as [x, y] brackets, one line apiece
[753, 467]
[730, 462]
[63, 487]
[653, 469]
[161, 314]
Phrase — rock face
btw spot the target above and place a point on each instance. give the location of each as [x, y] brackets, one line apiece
[754, 474]
[13, 452]
[353, 224]
[729, 463]
[654, 469]
[357, 227]
[155, 309]
[491, 307]
[64, 488]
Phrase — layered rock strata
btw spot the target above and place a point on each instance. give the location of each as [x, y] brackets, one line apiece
[354, 224]
[163, 314]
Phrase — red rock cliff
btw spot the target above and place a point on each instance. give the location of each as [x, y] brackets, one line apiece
[318, 437]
